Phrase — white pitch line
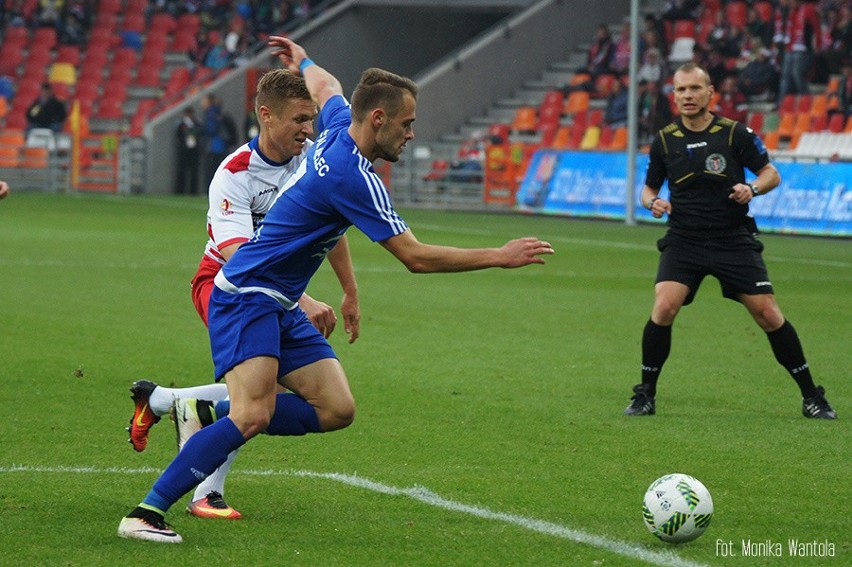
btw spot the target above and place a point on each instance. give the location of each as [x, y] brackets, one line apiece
[426, 496]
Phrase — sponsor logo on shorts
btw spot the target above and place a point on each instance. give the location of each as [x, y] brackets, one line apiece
[762, 284]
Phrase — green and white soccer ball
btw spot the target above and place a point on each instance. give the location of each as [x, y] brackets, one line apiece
[677, 508]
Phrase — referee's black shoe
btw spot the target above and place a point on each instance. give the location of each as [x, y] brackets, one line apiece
[643, 402]
[817, 406]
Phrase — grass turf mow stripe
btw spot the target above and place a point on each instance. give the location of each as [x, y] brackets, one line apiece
[420, 494]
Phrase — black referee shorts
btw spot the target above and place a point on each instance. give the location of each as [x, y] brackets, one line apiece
[735, 261]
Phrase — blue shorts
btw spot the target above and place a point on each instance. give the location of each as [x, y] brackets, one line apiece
[248, 325]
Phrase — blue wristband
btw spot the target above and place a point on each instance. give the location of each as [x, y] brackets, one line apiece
[305, 63]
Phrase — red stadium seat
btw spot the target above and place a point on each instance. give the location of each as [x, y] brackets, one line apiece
[68, 54]
[788, 103]
[162, 22]
[110, 108]
[45, 37]
[102, 40]
[153, 60]
[178, 80]
[86, 91]
[764, 9]
[28, 88]
[498, 133]
[148, 77]
[109, 7]
[92, 71]
[185, 40]
[736, 13]
[552, 102]
[16, 119]
[106, 22]
[607, 134]
[133, 22]
[85, 106]
[835, 123]
[819, 123]
[116, 89]
[683, 28]
[119, 75]
[803, 104]
[19, 35]
[39, 53]
[11, 56]
[189, 22]
[596, 117]
[136, 6]
[124, 57]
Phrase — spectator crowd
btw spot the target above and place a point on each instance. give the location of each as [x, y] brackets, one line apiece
[754, 50]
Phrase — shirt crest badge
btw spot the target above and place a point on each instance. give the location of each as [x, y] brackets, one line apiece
[715, 163]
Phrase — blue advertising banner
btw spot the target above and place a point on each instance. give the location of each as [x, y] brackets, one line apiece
[814, 198]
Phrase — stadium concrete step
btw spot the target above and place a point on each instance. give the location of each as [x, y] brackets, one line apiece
[563, 66]
[144, 92]
[103, 125]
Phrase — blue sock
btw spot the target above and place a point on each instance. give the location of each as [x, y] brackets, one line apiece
[202, 454]
[293, 415]
[222, 408]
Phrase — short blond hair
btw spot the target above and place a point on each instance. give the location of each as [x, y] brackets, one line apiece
[276, 88]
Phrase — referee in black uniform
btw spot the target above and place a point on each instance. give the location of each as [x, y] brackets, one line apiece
[704, 157]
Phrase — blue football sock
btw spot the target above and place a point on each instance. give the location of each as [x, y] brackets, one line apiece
[222, 408]
[293, 416]
[201, 455]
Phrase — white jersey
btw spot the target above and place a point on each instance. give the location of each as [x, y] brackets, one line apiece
[242, 191]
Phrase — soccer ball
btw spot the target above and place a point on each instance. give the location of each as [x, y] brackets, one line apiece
[677, 508]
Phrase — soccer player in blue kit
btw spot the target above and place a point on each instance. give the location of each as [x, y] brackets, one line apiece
[259, 337]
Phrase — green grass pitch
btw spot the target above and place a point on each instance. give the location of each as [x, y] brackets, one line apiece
[489, 427]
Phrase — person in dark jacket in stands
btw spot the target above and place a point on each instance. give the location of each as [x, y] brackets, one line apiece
[46, 111]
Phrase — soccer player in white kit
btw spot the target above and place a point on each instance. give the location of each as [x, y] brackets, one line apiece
[245, 186]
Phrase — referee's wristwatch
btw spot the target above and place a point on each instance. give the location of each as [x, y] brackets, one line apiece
[754, 191]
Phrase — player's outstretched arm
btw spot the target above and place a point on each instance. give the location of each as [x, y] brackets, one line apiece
[425, 258]
[321, 84]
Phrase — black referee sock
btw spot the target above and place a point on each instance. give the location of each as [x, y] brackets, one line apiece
[656, 345]
[789, 354]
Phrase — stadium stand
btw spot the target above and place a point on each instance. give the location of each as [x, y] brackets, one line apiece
[134, 66]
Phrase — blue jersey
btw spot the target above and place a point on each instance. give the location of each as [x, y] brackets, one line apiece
[335, 187]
